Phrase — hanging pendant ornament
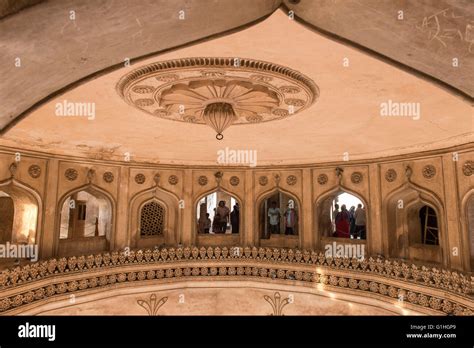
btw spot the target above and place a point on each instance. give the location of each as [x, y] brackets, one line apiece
[219, 116]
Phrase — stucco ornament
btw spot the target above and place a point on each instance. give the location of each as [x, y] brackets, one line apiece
[219, 92]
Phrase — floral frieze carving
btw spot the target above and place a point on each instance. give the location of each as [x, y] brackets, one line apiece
[291, 180]
[391, 175]
[357, 177]
[277, 303]
[71, 174]
[202, 180]
[173, 180]
[263, 180]
[140, 178]
[152, 305]
[322, 179]
[35, 171]
[419, 285]
[234, 180]
[468, 168]
[429, 171]
[108, 177]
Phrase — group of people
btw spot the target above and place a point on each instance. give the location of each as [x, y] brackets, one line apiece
[349, 223]
[222, 216]
[290, 218]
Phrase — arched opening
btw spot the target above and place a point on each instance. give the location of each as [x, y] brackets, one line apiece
[18, 215]
[85, 223]
[413, 226]
[470, 228]
[218, 213]
[154, 217]
[7, 213]
[428, 226]
[342, 215]
[279, 220]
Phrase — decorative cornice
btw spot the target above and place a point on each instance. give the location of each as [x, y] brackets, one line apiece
[461, 149]
[438, 290]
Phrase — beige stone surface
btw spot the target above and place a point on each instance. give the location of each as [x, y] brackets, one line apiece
[345, 118]
[425, 34]
[219, 298]
[56, 51]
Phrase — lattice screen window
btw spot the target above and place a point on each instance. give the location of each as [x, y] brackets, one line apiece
[152, 219]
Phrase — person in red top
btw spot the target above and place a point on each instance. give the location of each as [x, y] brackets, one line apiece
[342, 223]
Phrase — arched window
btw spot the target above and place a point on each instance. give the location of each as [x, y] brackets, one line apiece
[18, 215]
[413, 226]
[85, 223]
[152, 219]
[7, 213]
[342, 215]
[218, 213]
[85, 214]
[279, 215]
[429, 226]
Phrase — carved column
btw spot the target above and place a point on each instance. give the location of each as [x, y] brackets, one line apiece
[186, 227]
[306, 215]
[122, 231]
[452, 253]
[375, 234]
[50, 231]
[248, 214]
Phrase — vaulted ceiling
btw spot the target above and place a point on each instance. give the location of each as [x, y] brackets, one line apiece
[407, 59]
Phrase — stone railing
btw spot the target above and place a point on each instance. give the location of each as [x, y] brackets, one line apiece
[427, 289]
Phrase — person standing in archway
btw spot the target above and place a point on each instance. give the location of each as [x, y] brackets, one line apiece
[360, 222]
[223, 213]
[235, 219]
[352, 222]
[342, 223]
[274, 218]
[290, 218]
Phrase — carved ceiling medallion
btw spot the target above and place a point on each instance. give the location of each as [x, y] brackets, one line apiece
[217, 91]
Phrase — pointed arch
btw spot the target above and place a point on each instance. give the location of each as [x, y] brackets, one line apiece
[171, 217]
[401, 209]
[322, 219]
[224, 239]
[63, 247]
[288, 241]
[27, 212]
